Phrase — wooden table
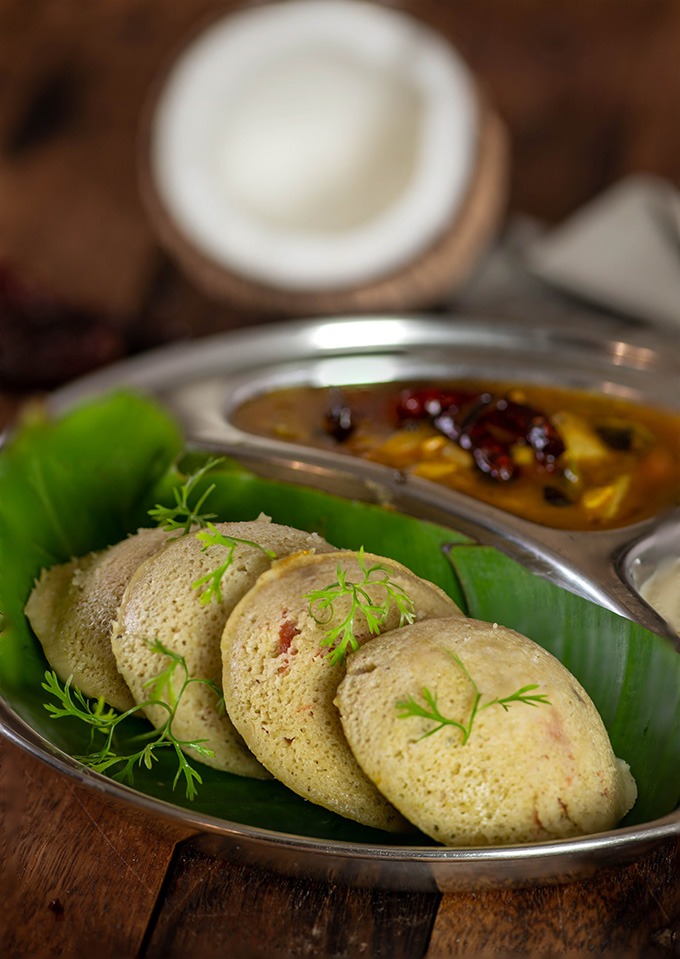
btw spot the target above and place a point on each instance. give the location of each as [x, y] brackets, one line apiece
[589, 91]
[82, 878]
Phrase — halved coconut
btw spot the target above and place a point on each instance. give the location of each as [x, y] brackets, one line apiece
[323, 156]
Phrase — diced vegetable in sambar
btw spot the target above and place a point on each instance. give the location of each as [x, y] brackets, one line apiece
[581, 440]
[562, 458]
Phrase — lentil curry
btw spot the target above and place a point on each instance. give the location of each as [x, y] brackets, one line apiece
[559, 457]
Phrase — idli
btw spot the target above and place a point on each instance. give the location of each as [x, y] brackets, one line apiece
[162, 603]
[481, 737]
[280, 677]
[71, 610]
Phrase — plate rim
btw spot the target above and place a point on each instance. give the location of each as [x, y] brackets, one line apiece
[449, 868]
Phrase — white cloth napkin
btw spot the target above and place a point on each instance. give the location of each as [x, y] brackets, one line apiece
[622, 251]
[617, 260]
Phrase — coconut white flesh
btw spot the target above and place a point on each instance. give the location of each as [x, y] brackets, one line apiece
[526, 773]
[161, 603]
[72, 608]
[315, 145]
[662, 591]
[279, 684]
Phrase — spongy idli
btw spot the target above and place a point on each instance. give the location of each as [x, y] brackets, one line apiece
[511, 772]
[71, 610]
[162, 604]
[279, 681]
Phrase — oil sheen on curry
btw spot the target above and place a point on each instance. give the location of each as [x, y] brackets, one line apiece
[561, 458]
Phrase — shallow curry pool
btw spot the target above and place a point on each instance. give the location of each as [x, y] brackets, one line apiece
[564, 458]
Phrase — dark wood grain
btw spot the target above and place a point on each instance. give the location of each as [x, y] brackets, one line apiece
[213, 908]
[630, 911]
[79, 877]
[590, 91]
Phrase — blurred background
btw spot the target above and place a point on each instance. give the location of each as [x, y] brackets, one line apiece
[589, 92]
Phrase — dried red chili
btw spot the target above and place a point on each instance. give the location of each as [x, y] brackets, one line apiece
[489, 427]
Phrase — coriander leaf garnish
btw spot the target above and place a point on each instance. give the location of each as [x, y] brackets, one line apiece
[410, 707]
[211, 584]
[341, 637]
[182, 516]
[104, 720]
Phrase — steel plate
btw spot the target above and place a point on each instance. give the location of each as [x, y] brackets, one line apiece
[201, 382]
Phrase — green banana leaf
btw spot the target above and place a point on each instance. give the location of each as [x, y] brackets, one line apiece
[88, 479]
[632, 676]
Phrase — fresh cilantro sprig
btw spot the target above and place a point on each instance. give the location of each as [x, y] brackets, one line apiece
[183, 515]
[341, 637]
[104, 721]
[210, 585]
[410, 707]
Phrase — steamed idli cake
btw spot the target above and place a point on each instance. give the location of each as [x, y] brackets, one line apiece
[280, 681]
[511, 772]
[71, 610]
[161, 603]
